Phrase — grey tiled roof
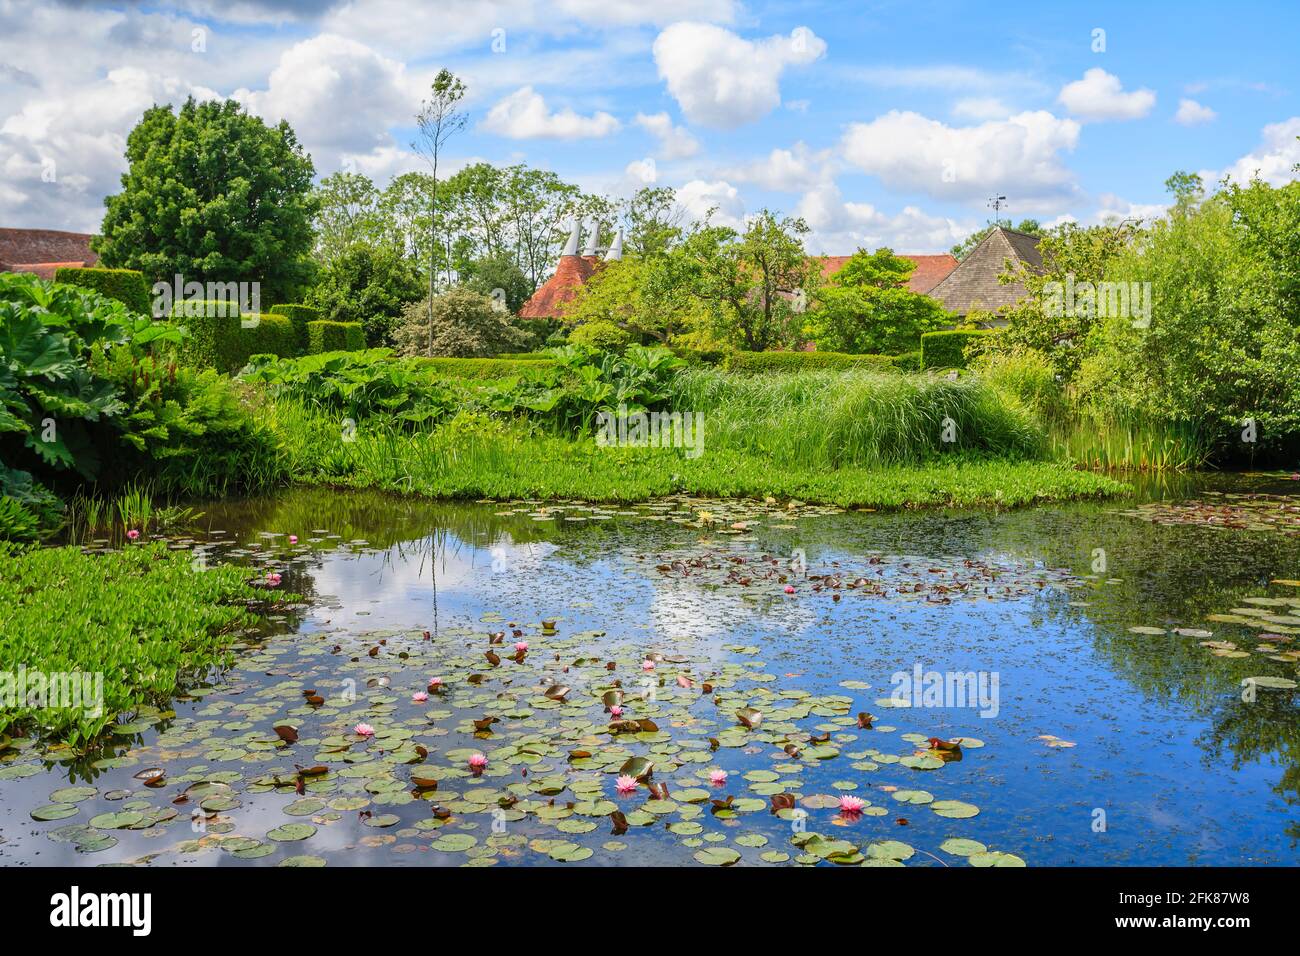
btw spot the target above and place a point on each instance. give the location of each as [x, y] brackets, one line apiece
[974, 286]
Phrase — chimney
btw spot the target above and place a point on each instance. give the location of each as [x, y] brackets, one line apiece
[571, 247]
[616, 248]
[589, 250]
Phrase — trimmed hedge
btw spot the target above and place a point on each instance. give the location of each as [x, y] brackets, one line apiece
[326, 336]
[273, 335]
[523, 356]
[125, 285]
[299, 315]
[486, 367]
[800, 361]
[219, 338]
[948, 349]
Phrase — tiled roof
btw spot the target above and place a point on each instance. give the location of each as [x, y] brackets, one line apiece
[929, 272]
[974, 286]
[45, 270]
[571, 274]
[44, 248]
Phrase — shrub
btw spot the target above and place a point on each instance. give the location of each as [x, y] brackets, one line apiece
[800, 361]
[125, 285]
[602, 335]
[908, 361]
[486, 367]
[465, 325]
[948, 349]
[272, 335]
[326, 336]
[299, 315]
[213, 339]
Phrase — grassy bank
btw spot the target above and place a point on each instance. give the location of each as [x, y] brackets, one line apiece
[451, 462]
[142, 617]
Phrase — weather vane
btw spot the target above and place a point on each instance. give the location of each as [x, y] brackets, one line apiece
[996, 203]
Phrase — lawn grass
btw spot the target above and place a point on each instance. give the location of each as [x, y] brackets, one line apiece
[143, 617]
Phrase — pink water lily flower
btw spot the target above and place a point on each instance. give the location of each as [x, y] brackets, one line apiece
[273, 578]
[717, 777]
[364, 730]
[647, 665]
[789, 589]
[132, 534]
[293, 539]
[625, 784]
[521, 645]
[419, 697]
[435, 681]
[850, 804]
[616, 711]
[477, 762]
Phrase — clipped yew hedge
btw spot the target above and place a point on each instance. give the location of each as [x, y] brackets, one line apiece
[326, 336]
[125, 285]
[948, 349]
[300, 316]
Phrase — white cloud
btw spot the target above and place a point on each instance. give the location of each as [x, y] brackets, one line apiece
[1114, 209]
[1273, 160]
[1100, 96]
[839, 227]
[722, 80]
[524, 115]
[338, 95]
[674, 141]
[698, 197]
[981, 108]
[1191, 113]
[641, 172]
[633, 12]
[60, 156]
[784, 170]
[1021, 155]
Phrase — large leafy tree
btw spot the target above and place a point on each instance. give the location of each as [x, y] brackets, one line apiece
[213, 194]
[867, 308]
[370, 284]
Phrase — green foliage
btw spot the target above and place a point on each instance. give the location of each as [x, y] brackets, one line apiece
[798, 361]
[143, 617]
[1221, 353]
[213, 336]
[125, 285]
[465, 325]
[600, 335]
[868, 308]
[369, 284]
[270, 335]
[500, 272]
[51, 402]
[949, 349]
[187, 430]
[502, 366]
[299, 315]
[326, 336]
[212, 193]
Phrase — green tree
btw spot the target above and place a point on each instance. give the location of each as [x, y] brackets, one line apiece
[213, 194]
[370, 284]
[499, 278]
[348, 212]
[868, 309]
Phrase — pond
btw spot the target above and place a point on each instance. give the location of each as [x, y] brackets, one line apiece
[1105, 684]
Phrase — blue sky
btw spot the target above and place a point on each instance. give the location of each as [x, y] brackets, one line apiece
[880, 123]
